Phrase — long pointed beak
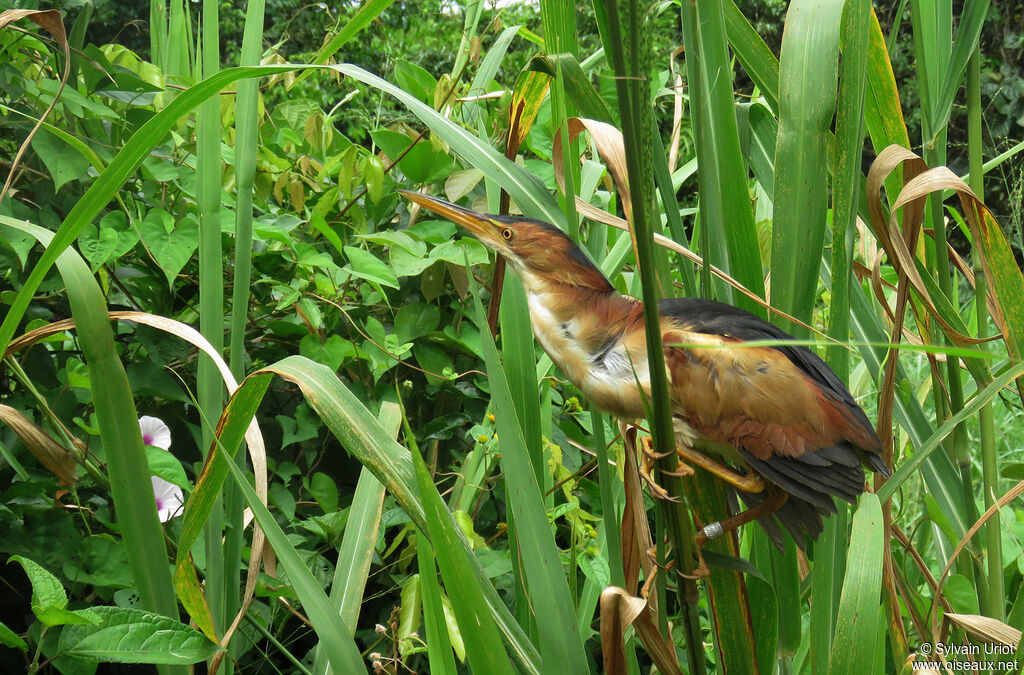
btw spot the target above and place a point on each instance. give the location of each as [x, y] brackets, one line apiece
[477, 223]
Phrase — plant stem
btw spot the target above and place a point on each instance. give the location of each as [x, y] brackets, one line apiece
[989, 461]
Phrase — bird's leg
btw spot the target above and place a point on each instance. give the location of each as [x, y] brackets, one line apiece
[648, 457]
[777, 497]
[749, 482]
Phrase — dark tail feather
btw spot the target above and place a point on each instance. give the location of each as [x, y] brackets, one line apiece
[878, 464]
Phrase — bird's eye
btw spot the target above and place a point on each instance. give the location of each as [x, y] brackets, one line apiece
[507, 234]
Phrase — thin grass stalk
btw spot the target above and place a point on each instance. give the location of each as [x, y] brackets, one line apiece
[246, 111]
[469, 28]
[558, 19]
[211, 303]
[725, 208]
[933, 39]
[630, 60]
[826, 580]
[996, 604]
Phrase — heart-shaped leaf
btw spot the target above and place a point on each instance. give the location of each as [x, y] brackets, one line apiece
[172, 244]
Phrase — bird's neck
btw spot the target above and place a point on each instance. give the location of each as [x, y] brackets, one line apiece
[583, 331]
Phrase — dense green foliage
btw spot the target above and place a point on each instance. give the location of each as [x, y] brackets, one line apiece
[345, 274]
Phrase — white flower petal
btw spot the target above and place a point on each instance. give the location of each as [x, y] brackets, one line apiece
[155, 432]
[169, 499]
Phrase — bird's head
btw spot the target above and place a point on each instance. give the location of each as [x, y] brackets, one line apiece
[540, 252]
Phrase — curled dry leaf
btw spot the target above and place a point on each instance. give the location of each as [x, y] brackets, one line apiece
[618, 611]
[1006, 293]
[986, 629]
[49, 453]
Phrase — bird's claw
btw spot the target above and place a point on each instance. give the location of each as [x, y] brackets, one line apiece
[646, 470]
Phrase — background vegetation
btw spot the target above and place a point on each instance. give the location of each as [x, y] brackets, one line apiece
[258, 205]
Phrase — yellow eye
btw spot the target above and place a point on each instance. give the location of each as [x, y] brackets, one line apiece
[508, 233]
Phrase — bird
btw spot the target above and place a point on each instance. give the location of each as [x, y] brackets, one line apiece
[778, 412]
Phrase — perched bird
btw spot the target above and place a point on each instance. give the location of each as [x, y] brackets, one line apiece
[775, 411]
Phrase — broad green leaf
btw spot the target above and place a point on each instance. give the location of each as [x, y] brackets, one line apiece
[858, 627]
[63, 164]
[325, 491]
[49, 601]
[415, 80]
[128, 635]
[97, 246]
[367, 266]
[172, 244]
[332, 352]
[414, 320]
[9, 638]
[165, 465]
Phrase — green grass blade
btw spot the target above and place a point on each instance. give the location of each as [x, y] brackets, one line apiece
[551, 603]
[483, 647]
[846, 173]
[922, 451]
[753, 54]
[357, 545]
[370, 10]
[726, 213]
[361, 434]
[439, 647]
[221, 595]
[335, 636]
[858, 627]
[967, 33]
[807, 87]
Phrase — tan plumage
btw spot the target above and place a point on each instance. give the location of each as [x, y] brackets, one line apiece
[779, 411]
